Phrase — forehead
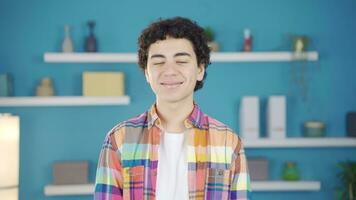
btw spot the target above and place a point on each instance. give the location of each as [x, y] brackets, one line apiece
[171, 46]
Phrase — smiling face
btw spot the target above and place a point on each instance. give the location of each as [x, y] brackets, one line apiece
[172, 70]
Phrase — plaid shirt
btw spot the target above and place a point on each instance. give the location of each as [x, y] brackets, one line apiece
[127, 167]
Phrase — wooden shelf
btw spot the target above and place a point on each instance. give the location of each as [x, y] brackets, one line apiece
[272, 186]
[278, 186]
[63, 101]
[278, 56]
[326, 142]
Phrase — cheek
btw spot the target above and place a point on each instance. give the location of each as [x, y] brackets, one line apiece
[153, 78]
[150, 74]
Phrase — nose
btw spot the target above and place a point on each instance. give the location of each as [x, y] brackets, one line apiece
[170, 69]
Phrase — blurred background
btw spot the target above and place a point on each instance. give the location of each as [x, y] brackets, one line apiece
[52, 134]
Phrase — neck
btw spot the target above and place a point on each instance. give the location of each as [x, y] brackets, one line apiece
[173, 114]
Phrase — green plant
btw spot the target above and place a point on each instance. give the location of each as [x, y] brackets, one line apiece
[347, 175]
[299, 44]
[209, 32]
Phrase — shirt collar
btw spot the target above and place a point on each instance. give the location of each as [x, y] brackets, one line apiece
[195, 119]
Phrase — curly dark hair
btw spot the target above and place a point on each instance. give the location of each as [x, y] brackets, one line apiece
[177, 27]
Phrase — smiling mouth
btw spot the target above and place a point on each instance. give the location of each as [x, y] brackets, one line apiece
[171, 85]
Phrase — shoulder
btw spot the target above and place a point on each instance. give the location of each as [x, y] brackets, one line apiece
[215, 125]
[134, 124]
[218, 129]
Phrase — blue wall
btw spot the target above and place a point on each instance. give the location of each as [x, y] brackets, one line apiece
[30, 28]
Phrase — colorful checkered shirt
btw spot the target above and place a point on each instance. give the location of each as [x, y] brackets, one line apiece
[127, 167]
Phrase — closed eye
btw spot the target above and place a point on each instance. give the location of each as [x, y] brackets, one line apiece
[159, 63]
[182, 62]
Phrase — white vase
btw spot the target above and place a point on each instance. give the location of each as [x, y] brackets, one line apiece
[67, 45]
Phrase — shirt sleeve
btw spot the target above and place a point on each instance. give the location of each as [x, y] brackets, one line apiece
[240, 188]
[108, 181]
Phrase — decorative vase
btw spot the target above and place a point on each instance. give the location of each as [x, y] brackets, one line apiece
[6, 88]
[290, 171]
[247, 41]
[67, 45]
[351, 124]
[91, 43]
[45, 88]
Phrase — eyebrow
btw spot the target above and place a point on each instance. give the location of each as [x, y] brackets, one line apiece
[182, 54]
[175, 55]
[157, 56]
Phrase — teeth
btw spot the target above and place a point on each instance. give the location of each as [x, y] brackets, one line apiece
[171, 85]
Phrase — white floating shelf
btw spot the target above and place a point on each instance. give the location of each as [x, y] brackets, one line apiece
[272, 186]
[62, 190]
[63, 101]
[301, 142]
[263, 56]
[278, 56]
[278, 186]
[90, 57]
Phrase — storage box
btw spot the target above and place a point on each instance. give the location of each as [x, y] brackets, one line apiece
[258, 168]
[103, 84]
[70, 172]
[249, 117]
[276, 117]
[5, 85]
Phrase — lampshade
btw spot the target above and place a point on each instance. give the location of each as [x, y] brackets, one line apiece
[9, 156]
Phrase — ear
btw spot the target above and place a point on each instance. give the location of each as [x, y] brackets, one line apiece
[201, 72]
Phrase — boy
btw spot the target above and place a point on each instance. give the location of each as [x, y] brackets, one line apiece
[173, 150]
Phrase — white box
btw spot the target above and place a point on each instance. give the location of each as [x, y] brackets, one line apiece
[276, 117]
[249, 117]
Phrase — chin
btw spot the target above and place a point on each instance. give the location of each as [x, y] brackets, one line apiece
[172, 98]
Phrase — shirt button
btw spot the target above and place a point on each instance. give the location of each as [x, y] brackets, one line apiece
[221, 172]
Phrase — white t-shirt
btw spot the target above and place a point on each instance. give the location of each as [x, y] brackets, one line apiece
[172, 172]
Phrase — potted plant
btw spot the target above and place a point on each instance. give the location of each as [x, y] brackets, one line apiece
[213, 45]
[347, 176]
[299, 44]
